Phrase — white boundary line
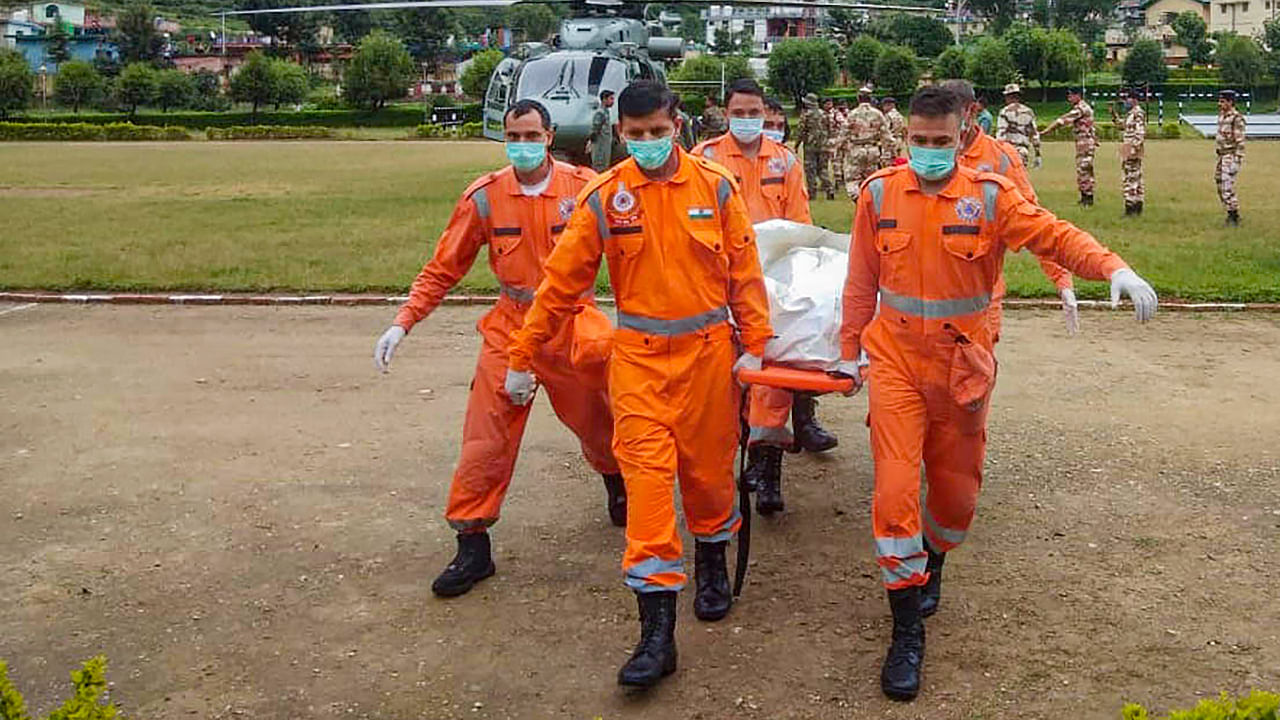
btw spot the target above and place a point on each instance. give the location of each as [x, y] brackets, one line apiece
[27, 306]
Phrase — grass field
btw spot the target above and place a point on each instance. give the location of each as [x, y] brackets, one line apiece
[344, 216]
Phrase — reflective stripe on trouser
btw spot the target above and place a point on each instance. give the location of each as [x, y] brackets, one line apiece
[913, 421]
[493, 427]
[675, 416]
[768, 413]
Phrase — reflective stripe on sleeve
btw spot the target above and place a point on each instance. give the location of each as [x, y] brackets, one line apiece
[481, 199]
[876, 187]
[723, 192]
[933, 309]
[990, 193]
[602, 225]
[681, 326]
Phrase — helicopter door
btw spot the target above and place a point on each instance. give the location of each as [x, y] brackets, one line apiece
[497, 96]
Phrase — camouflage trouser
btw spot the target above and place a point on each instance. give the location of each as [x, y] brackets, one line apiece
[816, 178]
[836, 154]
[1134, 190]
[1084, 172]
[859, 164]
[1024, 152]
[1224, 176]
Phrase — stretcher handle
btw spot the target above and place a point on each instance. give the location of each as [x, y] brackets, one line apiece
[788, 378]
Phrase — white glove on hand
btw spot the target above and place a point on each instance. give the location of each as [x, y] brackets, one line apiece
[747, 361]
[851, 369]
[1070, 310]
[520, 387]
[1127, 282]
[386, 347]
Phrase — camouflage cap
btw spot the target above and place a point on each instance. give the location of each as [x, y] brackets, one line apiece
[888, 99]
[1012, 89]
[811, 99]
[865, 90]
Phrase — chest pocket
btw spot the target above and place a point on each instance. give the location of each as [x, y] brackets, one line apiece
[707, 246]
[966, 242]
[892, 246]
[772, 187]
[504, 242]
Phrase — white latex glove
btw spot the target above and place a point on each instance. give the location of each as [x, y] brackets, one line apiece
[520, 386]
[1070, 310]
[386, 347]
[747, 361]
[1127, 282]
[851, 369]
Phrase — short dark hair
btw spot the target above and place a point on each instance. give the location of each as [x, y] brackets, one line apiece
[645, 97]
[962, 89]
[526, 106]
[934, 101]
[774, 104]
[1074, 91]
[743, 86]
[606, 94]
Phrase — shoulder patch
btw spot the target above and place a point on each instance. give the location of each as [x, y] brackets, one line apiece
[598, 182]
[482, 182]
[1004, 182]
[716, 168]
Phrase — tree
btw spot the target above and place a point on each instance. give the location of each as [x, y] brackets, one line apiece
[289, 83]
[1040, 14]
[537, 22]
[725, 43]
[1086, 18]
[57, 46]
[136, 33]
[1240, 61]
[897, 70]
[76, 84]
[849, 23]
[1097, 56]
[999, 14]
[253, 82]
[207, 91]
[351, 27]
[136, 85]
[173, 89]
[706, 68]
[289, 29]
[1193, 34]
[1271, 38]
[926, 36]
[1144, 64]
[426, 32]
[1064, 57]
[797, 67]
[950, 64]
[15, 82]
[991, 64]
[380, 70]
[860, 58]
[475, 79]
[1029, 47]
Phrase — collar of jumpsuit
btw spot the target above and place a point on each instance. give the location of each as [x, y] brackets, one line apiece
[541, 188]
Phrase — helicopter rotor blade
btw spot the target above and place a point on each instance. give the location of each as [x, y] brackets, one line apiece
[404, 4]
[394, 5]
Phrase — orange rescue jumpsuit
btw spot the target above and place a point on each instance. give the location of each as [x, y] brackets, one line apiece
[682, 257]
[520, 232]
[935, 261]
[987, 154]
[773, 187]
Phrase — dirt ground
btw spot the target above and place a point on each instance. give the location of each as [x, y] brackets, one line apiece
[245, 518]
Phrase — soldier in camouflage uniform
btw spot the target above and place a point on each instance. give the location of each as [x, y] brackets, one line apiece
[1132, 148]
[812, 136]
[1230, 142]
[866, 136]
[714, 122]
[1080, 118]
[837, 127]
[1017, 126]
[897, 129]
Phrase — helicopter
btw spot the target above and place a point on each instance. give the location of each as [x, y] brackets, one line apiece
[604, 45]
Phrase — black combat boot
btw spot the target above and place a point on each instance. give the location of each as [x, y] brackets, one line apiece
[616, 502]
[769, 480]
[1137, 208]
[472, 564]
[932, 593]
[810, 435]
[831, 196]
[655, 656]
[711, 575]
[1086, 199]
[900, 675]
[755, 471]
[1233, 218]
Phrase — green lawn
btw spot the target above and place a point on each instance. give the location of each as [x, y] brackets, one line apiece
[362, 216]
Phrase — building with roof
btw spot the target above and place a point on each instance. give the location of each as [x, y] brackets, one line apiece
[1158, 24]
[1243, 17]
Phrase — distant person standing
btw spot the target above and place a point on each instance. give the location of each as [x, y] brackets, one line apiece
[985, 121]
[839, 141]
[602, 133]
[1230, 142]
[866, 137]
[813, 138]
[1080, 118]
[776, 127]
[897, 129]
[1017, 126]
[714, 121]
[1132, 148]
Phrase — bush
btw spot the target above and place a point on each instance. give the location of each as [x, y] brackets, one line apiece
[1107, 132]
[475, 79]
[406, 116]
[10, 132]
[897, 70]
[15, 82]
[1171, 131]
[797, 67]
[434, 131]
[89, 683]
[380, 71]
[1255, 706]
[269, 132]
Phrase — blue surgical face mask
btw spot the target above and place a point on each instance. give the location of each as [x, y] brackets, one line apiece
[526, 155]
[746, 130]
[775, 135]
[933, 163]
[650, 154]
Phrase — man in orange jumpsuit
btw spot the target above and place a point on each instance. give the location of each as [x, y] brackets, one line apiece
[928, 241]
[518, 211]
[772, 183]
[682, 259]
[984, 153]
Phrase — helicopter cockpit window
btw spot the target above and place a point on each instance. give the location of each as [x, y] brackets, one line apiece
[568, 78]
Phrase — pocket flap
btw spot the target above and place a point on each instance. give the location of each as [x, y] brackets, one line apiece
[973, 373]
[892, 241]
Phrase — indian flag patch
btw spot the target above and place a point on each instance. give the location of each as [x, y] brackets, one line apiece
[701, 213]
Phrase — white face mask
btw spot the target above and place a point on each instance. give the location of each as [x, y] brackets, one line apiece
[775, 135]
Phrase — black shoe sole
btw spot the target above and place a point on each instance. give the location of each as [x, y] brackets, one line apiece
[928, 611]
[618, 520]
[646, 683]
[900, 695]
[820, 448]
[769, 509]
[712, 617]
[456, 590]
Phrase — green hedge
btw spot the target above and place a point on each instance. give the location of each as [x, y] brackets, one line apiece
[465, 130]
[1108, 132]
[86, 131]
[268, 132]
[394, 116]
[1255, 706]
